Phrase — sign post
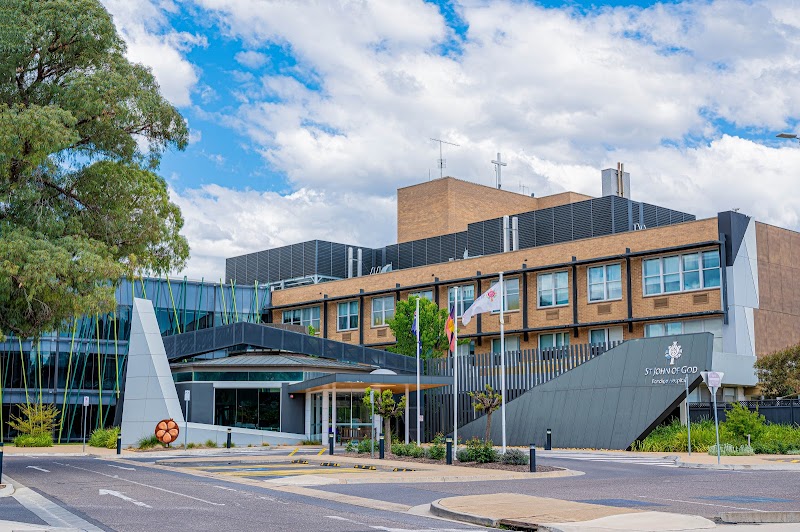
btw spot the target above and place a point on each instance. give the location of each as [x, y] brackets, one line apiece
[85, 406]
[688, 417]
[372, 439]
[713, 380]
[187, 394]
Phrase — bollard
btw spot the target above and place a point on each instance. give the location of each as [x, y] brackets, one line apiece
[381, 446]
[330, 445]
[449, 442]
[228, 443]
[549, 445]
[119, 443]
[1, 461]
[533, 458]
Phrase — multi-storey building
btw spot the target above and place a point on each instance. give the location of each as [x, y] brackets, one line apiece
[577, 270]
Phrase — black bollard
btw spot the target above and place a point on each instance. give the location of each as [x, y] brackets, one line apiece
[330, 444]
[449, 442]
[1, 461]
[549, 445]
[228, 443]
[533, 458]
[119, 443]
[381, 446]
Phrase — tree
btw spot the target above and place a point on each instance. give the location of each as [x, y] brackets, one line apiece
[82, 131]
[431, 332]
[487, 401]
[779, 372]
[387, 407]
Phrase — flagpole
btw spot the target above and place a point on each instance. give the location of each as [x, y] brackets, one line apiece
[419, 404]
[502, 363]
[455, 378]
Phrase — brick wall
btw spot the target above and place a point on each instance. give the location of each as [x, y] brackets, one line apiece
[777, 320]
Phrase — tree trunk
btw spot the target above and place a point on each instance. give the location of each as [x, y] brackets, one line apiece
[488, 426]
[387, 435]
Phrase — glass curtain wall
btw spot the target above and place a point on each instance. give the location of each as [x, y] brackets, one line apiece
[249, 408]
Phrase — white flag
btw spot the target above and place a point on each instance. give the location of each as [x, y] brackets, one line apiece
[489, 301]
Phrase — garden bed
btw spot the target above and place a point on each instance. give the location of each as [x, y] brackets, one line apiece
[488, 465]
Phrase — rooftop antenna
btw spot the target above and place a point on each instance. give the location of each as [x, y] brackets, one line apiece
[523, 188]
[498, 163]
[442, 162]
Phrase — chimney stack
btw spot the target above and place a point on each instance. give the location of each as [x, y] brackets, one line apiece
[616, 182]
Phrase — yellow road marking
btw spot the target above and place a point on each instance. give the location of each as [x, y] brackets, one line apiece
[321, 451]
[292, 453]
[290, 472]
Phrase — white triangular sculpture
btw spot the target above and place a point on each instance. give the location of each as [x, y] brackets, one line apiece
[150, 394]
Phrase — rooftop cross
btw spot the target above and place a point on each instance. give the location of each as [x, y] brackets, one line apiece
[498, 163]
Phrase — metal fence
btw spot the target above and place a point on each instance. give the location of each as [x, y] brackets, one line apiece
[524, 370]
[783, 412]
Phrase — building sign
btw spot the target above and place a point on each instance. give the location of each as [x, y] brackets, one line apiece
[670, 374]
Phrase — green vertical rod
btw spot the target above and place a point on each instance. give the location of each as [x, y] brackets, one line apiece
[66, 382]
[174, 308]
[39, 366]
[263, 301]
[254, 302]
[24, 373]
[2, 383]
[144, 292]
[116, 354]
[107, 335]
[99, 376]
[233, 298]
[199, 303]
[183, 306]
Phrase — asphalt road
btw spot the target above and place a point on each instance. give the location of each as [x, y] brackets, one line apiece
[150, 499]
[120, 496]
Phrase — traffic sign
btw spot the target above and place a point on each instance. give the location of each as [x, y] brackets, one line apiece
[713, 379]
[85, 400]
[186, 394]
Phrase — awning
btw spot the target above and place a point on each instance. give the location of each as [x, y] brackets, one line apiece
[359, 381]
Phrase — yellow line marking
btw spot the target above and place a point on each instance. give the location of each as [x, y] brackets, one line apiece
[292, 453]
[321, 451]
[290, 472]
[794, 461]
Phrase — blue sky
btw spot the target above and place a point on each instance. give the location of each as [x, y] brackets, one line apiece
[306, 116]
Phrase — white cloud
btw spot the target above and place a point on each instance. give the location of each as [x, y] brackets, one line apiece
[142, 24]
[560, 93]
[251, 59]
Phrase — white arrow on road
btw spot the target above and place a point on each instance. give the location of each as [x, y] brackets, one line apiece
[123, 497]
[43, 470]
[125, 468]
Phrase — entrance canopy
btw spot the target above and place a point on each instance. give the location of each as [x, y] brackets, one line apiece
[352, 381]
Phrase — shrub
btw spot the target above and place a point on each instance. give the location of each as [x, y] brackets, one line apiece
[104, 438]
[191, 445]
[741, 421]
[481, 451]
[210, 443]
[437, 450]
[311, 442]
[148, 442]
[364, 445]
[514, 457]
[38, 440]
[464, 455]
[726, 449]
[400, 449]
[35, 419]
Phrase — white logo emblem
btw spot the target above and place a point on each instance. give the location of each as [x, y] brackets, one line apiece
[673, 352]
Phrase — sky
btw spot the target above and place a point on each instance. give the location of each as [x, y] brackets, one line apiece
[306, 116]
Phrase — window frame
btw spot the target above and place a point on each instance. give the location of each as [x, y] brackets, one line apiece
[349, 315]
[507, 338]
[304, 321]
[553, 290]
[464, 305]
[382, 311]
[419, 293]
[505, 294]
[563, 334]
[607, 335]
[589, 283]
[700, 271]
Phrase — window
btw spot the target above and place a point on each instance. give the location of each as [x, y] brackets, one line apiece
[302, 316]
[605, 336]
[347, 316]
[553, 289]
[605, 283]
[466, 349]
[382, 310]
[424, 294]
[713, 326]
[466, 296]
[510, 294]
[550, 340]
[512, 344]
[693, 271]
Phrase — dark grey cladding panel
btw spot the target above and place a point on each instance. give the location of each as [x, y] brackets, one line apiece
[419, 253]
[607, 402]
[562, 223]
[323, 257]
[620, 214]
[252, 334]
[544, 227]
[582, 220]
[184, 342]
[527, 230]
[461, 244]
[650, 215]
[339, 261]
[601, 216]
[448, 248]
[474, 239]
[405, 255]
[493, 236]
[733, 225]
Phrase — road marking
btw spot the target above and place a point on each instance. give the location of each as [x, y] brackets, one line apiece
[43, 470]
[701, 503]
[224, 488]
[142, 484]
[292, 453]
[49, 512]
[120, 467]
[123, 497]
[321, 451]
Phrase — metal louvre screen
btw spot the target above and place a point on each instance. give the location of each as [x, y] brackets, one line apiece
[562, 223]
[324, 266]
[601, 216]
[544, 227]
[582, 220]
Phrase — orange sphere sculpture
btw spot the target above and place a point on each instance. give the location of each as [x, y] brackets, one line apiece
[167, 431]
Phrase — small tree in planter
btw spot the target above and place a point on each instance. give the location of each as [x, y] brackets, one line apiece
[487, 401]
[387, 407]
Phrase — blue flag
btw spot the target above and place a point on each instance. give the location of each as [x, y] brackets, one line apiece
[414, 331]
